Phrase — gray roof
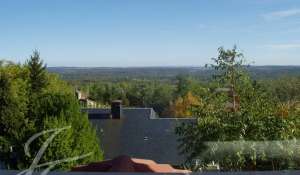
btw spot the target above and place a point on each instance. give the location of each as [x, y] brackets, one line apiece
[97, 113]
[141, 134]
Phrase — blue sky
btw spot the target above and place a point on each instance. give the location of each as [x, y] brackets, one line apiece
[149, 32]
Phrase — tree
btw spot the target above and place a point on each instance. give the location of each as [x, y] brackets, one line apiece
[37, 73]
[14, 125]
[183, 85]
[232, 138]
[60, 110]
[286, 89]
[31, 101]
[182, 107]
[159, 98]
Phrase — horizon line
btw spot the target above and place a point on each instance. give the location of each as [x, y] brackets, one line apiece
[266, 65]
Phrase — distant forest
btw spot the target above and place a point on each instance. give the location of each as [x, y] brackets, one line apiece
[163, 73]
[171, 91]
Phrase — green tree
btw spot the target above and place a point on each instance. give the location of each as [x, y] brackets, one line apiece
[160, 97]
[253, 119]
[14, 125]
[183, 85]
[27, 91]
[59, 111]
[37, 73]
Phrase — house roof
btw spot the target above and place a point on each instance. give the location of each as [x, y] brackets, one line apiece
[139, 133]
[128, 164]
[97, 113]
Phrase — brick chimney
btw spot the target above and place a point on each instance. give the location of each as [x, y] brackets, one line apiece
[116, 109]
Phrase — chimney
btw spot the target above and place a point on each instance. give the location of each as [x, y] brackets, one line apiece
[116, 109]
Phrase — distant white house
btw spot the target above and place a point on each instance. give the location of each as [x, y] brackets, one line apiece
[84, 100]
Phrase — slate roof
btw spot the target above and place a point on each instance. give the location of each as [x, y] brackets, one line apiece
[139, 133]
[97, 113]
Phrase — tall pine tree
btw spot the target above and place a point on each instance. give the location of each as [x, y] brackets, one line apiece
[37, 73]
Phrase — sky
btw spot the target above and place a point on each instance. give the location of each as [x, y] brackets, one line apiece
[122, 33]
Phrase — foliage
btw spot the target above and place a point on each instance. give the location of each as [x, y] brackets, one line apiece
[145, 93]
[183, 85]
[32, 100]
[79, 140]
[83, 75]
[14, 126]
[285, 89]
[232, 138]
[182, 106]
[37, 72]
[133, 93]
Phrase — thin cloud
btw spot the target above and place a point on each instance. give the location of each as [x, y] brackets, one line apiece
[281, 14]
[283, 46]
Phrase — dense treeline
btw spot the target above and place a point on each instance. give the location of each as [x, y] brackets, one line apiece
[174, 98]
[92, 74]
[285, 89]
[167, 98]
[32, 101]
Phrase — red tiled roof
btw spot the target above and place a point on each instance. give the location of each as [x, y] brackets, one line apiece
[128, 164]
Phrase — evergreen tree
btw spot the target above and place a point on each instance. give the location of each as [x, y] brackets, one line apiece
[14, 126]
[37, 73]
[61, 110]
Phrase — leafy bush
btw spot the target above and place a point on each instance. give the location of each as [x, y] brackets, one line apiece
[237, 126]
